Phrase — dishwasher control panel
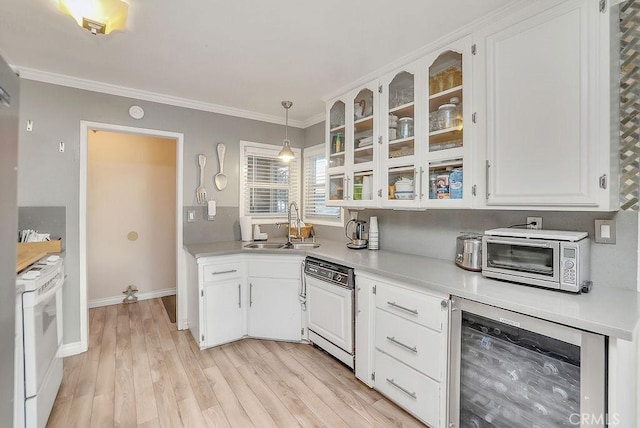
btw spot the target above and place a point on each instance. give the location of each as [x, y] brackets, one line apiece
[336, 274]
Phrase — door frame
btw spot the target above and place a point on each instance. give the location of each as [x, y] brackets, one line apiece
[85, 128]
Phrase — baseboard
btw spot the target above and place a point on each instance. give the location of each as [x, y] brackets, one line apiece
[107, 301]
[68, 349]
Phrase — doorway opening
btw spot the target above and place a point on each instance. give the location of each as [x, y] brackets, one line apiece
[128, 245]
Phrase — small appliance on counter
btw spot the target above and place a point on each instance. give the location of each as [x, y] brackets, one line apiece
[554, 259]
[357, 241]
[469, 251]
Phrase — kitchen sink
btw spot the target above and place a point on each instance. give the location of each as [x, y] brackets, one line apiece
[266, 245]
[281, 245]
[304, 245]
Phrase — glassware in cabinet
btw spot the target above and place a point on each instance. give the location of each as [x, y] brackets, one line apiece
[337, 186]
[337, 133]
[363, 126]
[401, 108]
[446, 102]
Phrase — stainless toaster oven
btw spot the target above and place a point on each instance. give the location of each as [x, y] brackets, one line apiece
[545, 258]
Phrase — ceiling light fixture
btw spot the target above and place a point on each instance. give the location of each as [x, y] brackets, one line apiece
[286, 155]
[97, 16]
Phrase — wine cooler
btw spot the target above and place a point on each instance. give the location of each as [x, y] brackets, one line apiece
[510, 370]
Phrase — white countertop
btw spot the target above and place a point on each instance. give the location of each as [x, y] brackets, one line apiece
[606, 310]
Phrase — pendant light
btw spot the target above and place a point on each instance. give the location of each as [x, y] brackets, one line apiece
[286, 155]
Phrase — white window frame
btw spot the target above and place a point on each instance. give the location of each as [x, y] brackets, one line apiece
[312, 152]
[267, 150]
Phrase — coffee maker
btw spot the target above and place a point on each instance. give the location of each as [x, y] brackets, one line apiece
[356, 239]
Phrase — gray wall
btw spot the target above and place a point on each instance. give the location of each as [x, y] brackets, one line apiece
[49, 178]
[8, 233]
[433, 234]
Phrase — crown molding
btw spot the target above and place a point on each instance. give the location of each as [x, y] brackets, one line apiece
[320, 117]
[122, 91]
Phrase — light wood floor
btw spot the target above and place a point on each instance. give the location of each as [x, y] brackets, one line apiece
[141, 371]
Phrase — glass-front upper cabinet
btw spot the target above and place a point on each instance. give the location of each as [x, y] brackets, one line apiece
[364, 149]
[446, 157]
[400, 138]
[337, 135]
[336, 152]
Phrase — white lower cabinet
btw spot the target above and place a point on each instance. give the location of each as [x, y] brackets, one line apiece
[364, 334]
[407, 346]
[223, 312]
[231, 297]
[415, 392]
[274, 309]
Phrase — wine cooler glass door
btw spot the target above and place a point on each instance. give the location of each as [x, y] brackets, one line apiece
[514, 371]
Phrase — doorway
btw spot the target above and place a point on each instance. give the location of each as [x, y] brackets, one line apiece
[131, 209]
[132, 235]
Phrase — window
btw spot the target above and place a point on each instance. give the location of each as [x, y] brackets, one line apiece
[267, 185]
[315, 211]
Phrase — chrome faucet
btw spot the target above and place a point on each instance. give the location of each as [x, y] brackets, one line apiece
[289, 235]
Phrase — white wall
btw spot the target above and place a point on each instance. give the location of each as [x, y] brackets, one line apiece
[130, 191]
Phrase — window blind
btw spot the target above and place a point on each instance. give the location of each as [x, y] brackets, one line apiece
[315, 190]
[270, 185]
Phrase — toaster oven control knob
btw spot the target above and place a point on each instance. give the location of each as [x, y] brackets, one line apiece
[338, 278]
[569, 264]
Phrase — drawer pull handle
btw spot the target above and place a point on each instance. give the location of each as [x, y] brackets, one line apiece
[407, 347]
[395, 305]
[224, 271]
[406, 391]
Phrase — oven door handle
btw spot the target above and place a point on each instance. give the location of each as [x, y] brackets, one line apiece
[47, 294]
[520, 242]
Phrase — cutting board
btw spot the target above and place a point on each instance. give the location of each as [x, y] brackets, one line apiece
[27, 256]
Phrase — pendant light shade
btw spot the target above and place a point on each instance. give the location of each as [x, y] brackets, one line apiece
[286, 155]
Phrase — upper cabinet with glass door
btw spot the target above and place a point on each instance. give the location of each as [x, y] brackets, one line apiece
[336, 132]
[364, 152]
[352, 149]
[446, 160]
[400, 142]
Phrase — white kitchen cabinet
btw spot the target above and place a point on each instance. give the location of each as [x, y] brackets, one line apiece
[351, 147]
[447, 157]
[274, 310]
[364, 334]
[217, 308]
[231, 297]
[223, 312]
[392, 148]
[400, 136]
[402, 345]
[544, 80]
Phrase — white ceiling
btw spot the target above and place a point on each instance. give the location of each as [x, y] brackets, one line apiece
[247, 54]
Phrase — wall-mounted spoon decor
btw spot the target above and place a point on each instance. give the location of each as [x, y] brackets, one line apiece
[221, 179]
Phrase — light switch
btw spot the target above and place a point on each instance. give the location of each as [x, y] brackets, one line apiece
[605, 231]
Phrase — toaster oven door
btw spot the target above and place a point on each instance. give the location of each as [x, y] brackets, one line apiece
[533, 260]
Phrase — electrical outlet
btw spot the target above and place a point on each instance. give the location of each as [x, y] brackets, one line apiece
[532, 220]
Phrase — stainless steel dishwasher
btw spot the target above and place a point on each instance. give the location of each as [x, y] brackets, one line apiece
[511, 370]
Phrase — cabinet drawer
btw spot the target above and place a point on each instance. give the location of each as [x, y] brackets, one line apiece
[413, 344]
[267, 267]
[222, 271]
[420, 308]
[409, 389]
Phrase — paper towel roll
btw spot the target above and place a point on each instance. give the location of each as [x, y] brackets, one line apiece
[245, 228]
